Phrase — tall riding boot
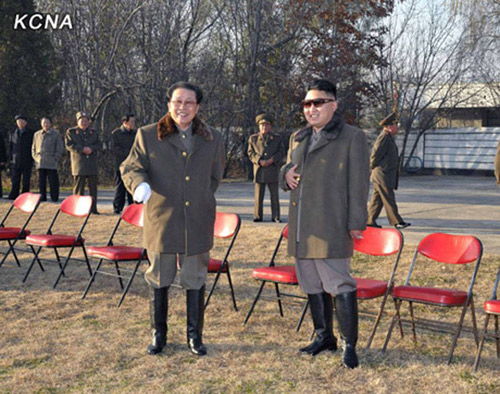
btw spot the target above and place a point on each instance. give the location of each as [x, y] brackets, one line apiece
[158, 308]
[322, 314]
[195, 300]
[346, 308]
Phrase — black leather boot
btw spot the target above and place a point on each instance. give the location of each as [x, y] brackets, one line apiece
[158, 308]
[346, 308]
[195, 300]
[322, 314]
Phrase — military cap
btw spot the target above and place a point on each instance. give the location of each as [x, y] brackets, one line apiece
[81, 114]
[389, 119]
[21, 117]
[263, 118]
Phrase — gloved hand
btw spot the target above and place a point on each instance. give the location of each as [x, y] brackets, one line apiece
[142, 193]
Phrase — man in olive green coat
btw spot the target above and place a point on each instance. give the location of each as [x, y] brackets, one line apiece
[384, 163]
[83, 144]
[175, 167]
[328, 175]
[266, 151]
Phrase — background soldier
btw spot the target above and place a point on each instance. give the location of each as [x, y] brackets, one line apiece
[174, 167]
[384, 163]
[83, 144]
[122, 139]
[3, 161]
[47, 150]
[21, 162]
[266, 151]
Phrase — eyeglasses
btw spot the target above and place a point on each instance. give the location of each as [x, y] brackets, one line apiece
[178, 103]
[318, 103]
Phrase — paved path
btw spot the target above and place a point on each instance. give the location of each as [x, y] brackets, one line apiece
[455, 204]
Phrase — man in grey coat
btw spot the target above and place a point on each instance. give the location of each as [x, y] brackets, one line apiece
[175, 167]
[384, 163]
[47, 150]
[328, 175]
[266, 152]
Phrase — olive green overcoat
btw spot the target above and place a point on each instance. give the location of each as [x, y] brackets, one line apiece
[179, 217]
[332, 193]
[384, 161]
[262, 148]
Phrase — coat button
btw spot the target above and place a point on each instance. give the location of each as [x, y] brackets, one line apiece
[184, 154]
[187, 203]
[265, 154]
[188, 178]
[294, 203]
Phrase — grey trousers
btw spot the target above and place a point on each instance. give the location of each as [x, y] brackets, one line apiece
[163, 269]
[325, 275]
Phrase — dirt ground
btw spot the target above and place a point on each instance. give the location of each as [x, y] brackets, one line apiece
[51, 341]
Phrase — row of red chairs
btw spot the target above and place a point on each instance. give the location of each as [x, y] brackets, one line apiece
[227, 225]
[438, 247]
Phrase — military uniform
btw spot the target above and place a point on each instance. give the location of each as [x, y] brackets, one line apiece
[84, 167]
[265, 147]
[122, 140]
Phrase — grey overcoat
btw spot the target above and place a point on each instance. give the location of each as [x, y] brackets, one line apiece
[180, 215]
[333, 190]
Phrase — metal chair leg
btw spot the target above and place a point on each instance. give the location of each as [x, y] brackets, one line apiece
[393, 322]
[61, 272]
[278, 296]
[117, 267]
[232, 289]
[413, 323]
[216, 279]
[481, 342]
[35, 258]
[455, 338]
[92, 278]
[474, 323]
[129, 282]
[302, 315]
[254, 302]
[377, 321]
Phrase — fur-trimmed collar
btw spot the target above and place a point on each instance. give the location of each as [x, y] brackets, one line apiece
[166, 127]
[331, 130]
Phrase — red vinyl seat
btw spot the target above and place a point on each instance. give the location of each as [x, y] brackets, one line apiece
[453, 250]
[491, 308]
[278, 275]
[27, 203]
[77, 207]
[133, 215]
[378, 242]
[226, 226]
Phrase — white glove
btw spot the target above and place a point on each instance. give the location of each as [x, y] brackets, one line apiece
[142, 193]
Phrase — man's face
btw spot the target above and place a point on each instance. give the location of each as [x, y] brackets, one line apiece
[46, 124]
[83, 122]
[130, 124]
[265, 128]
[21, 124]
[183, 107]
[392, 128]
[318, 114]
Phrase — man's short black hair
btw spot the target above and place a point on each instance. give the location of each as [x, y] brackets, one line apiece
[126, 117]
[46, 117]
[324, 85]
[185, 85]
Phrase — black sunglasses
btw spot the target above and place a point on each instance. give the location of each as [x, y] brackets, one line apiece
[318, 103]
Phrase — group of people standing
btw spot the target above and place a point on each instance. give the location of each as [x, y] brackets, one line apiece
[45, 148]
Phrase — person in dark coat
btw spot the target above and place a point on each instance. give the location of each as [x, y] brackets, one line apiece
[384, 163]
[328, 174]
[21, 162]
[3, 161]
[266, 151]
[83, 144]
[122, 139]
[175, 167]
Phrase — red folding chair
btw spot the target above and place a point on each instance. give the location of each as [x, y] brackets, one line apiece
[378, 242]
[447, 249]
[27, 203]
[279, 275]
[76, 206]
[227, 225]
[133, 215]
[491, 308]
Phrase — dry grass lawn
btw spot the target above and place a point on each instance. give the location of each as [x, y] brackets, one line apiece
[51, 341]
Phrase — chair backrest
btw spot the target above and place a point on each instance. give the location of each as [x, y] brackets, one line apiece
[495, 286]
[78, 206]
[379, 241]
[134, 215]
[451, 249]
[226, 224]
[27, 202]
[285, 232]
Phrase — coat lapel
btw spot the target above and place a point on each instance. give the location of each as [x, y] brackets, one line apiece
[175, 141]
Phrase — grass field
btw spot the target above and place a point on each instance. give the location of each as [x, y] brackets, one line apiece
[51, 341]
